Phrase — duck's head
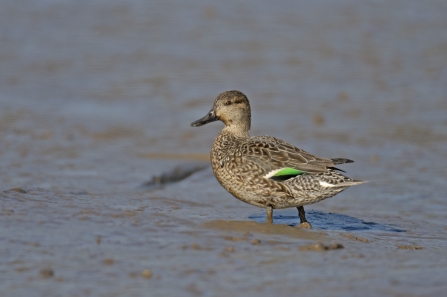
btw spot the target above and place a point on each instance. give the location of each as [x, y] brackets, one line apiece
[230, 107]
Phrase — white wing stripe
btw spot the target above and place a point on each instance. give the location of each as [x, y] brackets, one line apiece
[325, 184]
[272, 173]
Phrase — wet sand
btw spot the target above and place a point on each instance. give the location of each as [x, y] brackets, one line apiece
[105, 190]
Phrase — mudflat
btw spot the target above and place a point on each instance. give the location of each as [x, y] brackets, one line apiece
[105, 190]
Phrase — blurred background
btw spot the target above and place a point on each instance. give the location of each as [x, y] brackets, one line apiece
[96, 98]
[136, 73]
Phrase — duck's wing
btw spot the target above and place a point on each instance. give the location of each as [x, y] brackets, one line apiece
[277, 157]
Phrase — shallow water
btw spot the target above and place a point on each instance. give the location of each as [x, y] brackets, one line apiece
[95, 105]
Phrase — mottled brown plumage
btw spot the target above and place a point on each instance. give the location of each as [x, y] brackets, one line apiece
[250, 168]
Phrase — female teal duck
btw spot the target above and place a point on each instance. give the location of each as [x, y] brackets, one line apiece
[265, 171]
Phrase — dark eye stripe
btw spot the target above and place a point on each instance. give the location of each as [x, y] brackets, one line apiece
[227, 103]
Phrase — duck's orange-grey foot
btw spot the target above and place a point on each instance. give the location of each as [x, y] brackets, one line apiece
[269, 215]
[303, 222]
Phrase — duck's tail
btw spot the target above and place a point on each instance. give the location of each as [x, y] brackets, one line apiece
[338, 161]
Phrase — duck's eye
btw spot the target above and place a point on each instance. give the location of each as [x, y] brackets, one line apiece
[227, 103]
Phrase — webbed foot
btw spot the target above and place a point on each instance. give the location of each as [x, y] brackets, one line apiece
[306, 225]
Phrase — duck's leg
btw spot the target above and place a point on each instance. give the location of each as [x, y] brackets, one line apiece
[303, 222]
[269, 215]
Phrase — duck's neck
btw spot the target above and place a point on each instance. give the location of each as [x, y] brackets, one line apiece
[237, 132]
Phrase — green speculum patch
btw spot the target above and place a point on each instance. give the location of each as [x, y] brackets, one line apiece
[289, 172]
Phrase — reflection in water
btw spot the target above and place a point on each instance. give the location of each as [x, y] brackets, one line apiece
[330, 221]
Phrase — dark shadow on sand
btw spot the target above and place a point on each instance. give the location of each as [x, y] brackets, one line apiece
[328, 221]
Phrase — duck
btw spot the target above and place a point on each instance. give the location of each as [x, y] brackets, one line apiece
[265, 171]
